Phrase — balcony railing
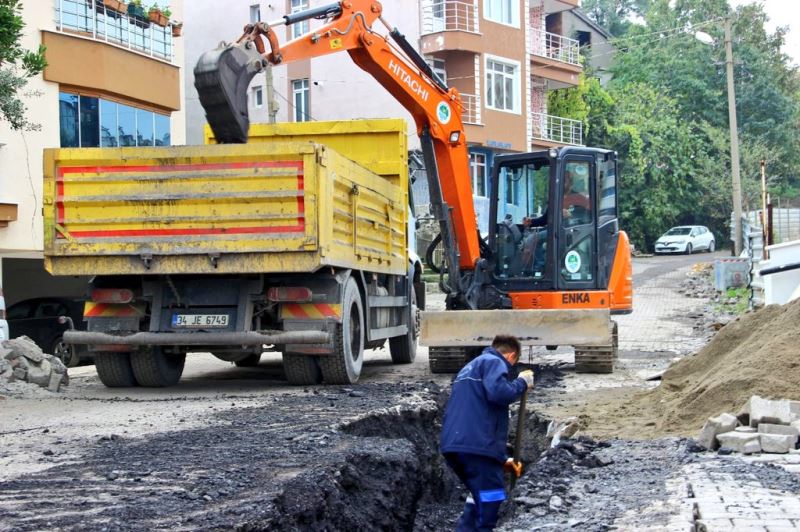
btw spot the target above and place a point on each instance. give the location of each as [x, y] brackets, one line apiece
[449, 15]
[92, 18]
[556, 47]
[472, 109]
[557, 129]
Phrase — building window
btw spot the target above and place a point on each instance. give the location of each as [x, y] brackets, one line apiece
[300, 94]
[255, 13]
[299, 28]
[258, 97]
[502, 11]
[502, 85]
[477, 166]
[438, 67]
[91, 122]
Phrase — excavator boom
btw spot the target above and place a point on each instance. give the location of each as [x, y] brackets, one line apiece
[222, 77]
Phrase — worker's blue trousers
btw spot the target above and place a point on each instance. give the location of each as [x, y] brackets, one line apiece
[483, 477]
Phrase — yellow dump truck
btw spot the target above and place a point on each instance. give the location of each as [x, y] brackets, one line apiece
[296, 242]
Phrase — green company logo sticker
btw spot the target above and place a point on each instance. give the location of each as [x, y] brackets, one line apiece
[572, 262]
[443, 112]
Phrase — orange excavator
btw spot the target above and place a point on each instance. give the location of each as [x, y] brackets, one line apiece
[554, 266]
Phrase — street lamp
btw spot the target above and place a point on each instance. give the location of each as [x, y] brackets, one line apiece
[737, 184]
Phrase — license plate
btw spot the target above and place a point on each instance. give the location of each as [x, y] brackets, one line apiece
[199, 320]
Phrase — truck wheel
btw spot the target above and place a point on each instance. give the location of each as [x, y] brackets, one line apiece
[343, 366]
[250, 361]
[115, 370]
[301, 369]
[404, 348]
[155, 369]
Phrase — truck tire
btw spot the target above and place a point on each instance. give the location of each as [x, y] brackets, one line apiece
[250, 361]
[155, 369]
[301, 369]
[115, 370]
[404, 348]
[343, 366]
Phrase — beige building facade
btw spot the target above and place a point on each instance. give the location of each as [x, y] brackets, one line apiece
[113, 79]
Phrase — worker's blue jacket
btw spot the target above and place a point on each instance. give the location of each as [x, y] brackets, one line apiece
[476, 417]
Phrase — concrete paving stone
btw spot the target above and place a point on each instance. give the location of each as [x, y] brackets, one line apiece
[714, 426]
[771, 428]
[738, 441]
[766, 411]
[794, 408]
[714, 525]
[777, 523]
[749, 524]
[791, 468]
[777, 443]
[781, 529]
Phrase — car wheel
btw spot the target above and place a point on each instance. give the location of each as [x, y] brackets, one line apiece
[689, 249]
[66, 353]
[711, 246]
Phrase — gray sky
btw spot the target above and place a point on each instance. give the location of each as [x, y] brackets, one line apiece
[782, 13]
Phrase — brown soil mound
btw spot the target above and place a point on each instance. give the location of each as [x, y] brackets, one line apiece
[756, 354]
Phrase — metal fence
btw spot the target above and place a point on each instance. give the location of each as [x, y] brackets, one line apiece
[449, 15]
[555, 46]
[557, 129]
[92, 18]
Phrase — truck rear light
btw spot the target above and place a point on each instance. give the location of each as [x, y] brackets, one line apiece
[295, 294]
[112, 295]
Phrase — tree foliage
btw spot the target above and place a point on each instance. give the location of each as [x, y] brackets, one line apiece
[665, 111]
[17, 64]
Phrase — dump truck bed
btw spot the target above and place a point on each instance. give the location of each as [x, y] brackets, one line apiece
[286, 205]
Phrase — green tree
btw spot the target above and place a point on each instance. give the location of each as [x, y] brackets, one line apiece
[17, 65]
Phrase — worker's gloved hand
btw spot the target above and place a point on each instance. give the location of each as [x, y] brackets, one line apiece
[512, 467]
[527, 376]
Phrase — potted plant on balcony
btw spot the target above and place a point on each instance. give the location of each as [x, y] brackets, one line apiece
[176, 29]
[135, 9]
[115, 5]
[157, 16]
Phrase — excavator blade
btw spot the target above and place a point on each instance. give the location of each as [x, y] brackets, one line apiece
[465, 328]
[221, 78]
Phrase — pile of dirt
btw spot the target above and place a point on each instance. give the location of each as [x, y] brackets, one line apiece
[756, 354]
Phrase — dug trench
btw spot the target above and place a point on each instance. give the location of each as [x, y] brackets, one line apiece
[330, 458]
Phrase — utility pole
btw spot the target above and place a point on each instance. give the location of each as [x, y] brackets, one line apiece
[737, 185]
[272, 105]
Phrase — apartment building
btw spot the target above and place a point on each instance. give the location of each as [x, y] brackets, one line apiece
[113, 79]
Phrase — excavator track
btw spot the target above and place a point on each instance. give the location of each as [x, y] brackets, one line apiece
[450, 359]
[598, 359]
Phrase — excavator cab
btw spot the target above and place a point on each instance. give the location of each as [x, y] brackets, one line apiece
[556, 223]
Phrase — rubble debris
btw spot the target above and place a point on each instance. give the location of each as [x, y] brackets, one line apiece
[740, 442]
[21, 360]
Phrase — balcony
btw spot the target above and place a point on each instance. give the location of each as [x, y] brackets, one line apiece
[455, 23]
[555, 130]
[555, 47]
[91, 18]
[555, 57]
[472, 109]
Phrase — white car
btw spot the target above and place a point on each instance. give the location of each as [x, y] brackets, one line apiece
[4, 335]
[686, 239]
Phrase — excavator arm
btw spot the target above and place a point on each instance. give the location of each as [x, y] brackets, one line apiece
[222, 77]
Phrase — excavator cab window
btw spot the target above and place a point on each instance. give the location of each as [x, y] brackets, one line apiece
[520, 240]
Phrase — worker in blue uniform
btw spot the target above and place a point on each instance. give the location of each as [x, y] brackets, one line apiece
[475, 429]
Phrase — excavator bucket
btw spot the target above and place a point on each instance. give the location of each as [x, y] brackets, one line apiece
[221, 78]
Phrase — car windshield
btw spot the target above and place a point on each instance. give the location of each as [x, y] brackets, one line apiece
[679, 231]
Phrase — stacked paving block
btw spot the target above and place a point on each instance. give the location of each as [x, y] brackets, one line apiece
[762, 425]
